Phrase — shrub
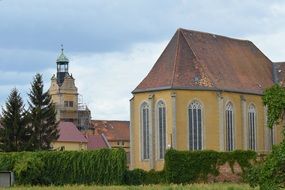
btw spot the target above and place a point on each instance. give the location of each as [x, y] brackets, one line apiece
[270, 174]
[195, 166]
[142, 177]
[104, 166]
[135, 177]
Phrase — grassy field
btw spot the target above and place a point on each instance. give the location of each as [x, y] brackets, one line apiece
[151, 187]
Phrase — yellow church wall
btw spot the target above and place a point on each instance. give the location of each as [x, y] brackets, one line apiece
[278, 133]
[210, 124]
[165, 96]
[211, 119]
[70, 145]
[260, 121]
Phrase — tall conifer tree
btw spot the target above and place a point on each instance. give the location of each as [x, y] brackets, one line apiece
[13, 133]
[42, 117]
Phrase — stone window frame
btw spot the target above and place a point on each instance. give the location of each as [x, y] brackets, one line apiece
[229, 115]
[145, 132]
[160, 103]
[252, 127]
[201, 122]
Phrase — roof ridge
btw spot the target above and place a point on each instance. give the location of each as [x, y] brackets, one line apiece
[198, 60]
[196, 31]
[189, 46]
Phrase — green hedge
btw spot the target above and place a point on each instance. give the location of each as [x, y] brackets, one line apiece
[104, 166]
[142, 177]
[195, 166]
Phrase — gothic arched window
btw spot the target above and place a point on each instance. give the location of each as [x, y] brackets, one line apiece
[161, 129]
[145, 130]
[251, 127]
[195, 125]
[229, 127]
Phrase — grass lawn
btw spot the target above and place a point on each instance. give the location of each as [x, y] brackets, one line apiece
[217, 186]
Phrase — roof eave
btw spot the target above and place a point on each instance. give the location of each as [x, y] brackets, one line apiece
[136, 91]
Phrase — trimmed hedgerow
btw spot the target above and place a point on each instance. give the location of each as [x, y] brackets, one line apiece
[194, 166]
[104, 166]
[142, 177]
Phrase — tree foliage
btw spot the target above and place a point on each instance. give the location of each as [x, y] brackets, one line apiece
[13, 133]
[270, 174]
[274, 99]
[42, 117]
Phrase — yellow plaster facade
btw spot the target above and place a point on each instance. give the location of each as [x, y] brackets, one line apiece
[69, 145]
[120, 144]
[64, 95]
[65, 98]
[213, 122]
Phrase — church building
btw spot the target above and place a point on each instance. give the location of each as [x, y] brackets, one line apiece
[65, 96]
[203, 93]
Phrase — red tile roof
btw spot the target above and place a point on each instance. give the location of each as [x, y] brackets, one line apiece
[113, 130]
[96, 141]
[68, 132]
[197, 60]
[279, 68]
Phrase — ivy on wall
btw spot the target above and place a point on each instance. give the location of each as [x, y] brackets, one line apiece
[274, 99]
[194, 166]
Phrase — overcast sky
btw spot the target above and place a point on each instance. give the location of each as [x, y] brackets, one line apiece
[112, 44]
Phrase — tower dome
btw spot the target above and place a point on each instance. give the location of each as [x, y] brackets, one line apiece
[62, 58]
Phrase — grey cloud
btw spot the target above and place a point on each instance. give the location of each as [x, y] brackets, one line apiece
[104, 26]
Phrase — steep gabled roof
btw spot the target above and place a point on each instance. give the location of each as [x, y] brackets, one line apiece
[197, 60]
[68, 132]
[112, 129]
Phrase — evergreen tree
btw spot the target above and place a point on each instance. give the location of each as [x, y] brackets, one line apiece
[13, 133]
[42, 117]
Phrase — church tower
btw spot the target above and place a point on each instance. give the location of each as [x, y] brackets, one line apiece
[64, 92]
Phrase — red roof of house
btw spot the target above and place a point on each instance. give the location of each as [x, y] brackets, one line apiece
[96, 141]
[113, 130]
[68, 132]
[198, 60]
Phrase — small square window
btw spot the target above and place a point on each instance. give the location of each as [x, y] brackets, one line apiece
[65, 103]
[70, 103]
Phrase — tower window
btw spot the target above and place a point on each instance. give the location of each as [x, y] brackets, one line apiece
[68, 104]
